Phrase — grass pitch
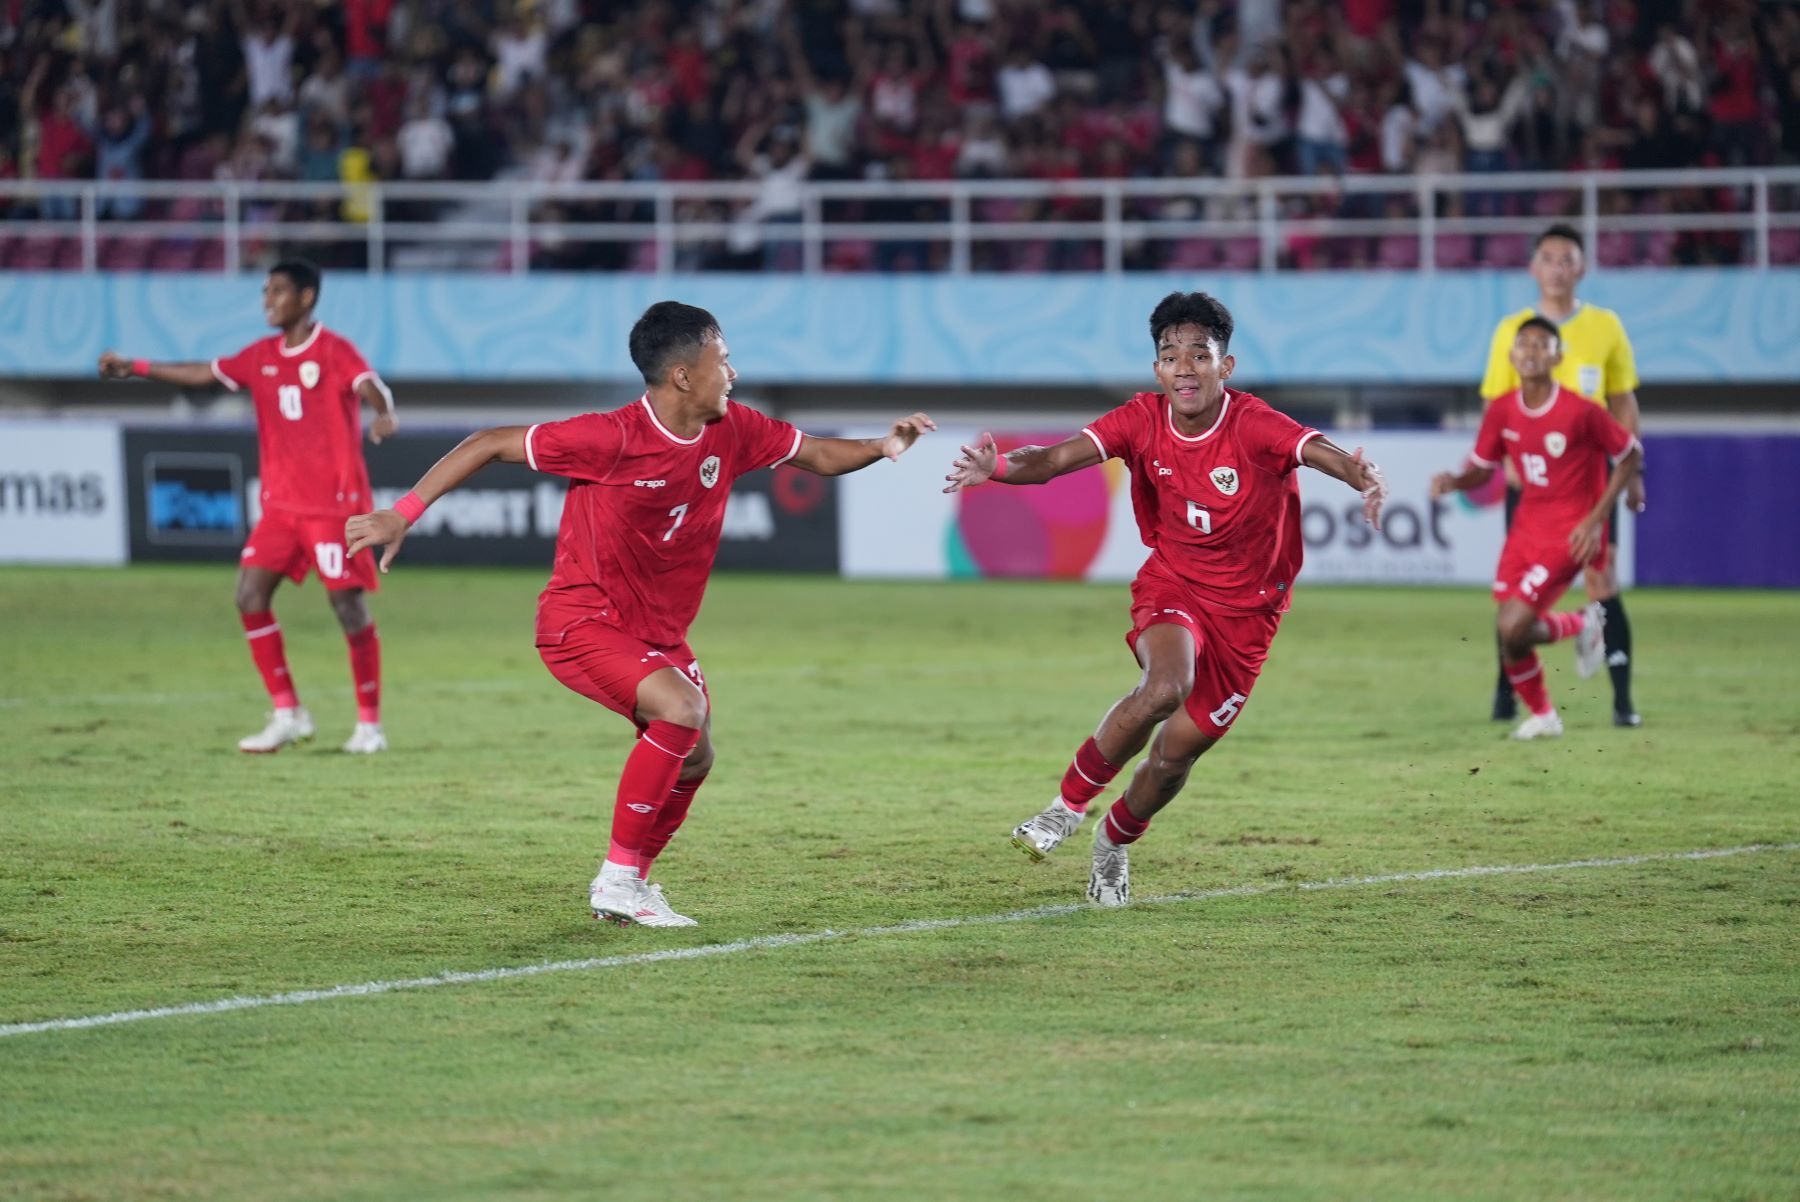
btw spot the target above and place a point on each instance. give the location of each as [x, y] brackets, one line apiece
[1622, 1032]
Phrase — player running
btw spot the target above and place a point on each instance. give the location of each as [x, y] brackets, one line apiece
[640, 528]
[1597, 364]
[1558, 445]
[308, 385]
[1213, 486]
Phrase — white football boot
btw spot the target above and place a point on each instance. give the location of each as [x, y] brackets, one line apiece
[627, 901]
[654, 899]
[1590, 644]
[1540, 726]
[366, 739]
[1110, 882]
[285, 726]
[1045, 831]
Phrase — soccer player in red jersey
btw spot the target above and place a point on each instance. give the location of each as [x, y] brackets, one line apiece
[1558, 444]
[308, 385]
[1213, 487]
[648, 485]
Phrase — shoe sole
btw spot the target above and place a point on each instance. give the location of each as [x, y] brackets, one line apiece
[277, 747]
[1032, 852]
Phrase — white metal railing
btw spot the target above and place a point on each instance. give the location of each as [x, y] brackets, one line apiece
[1106, 225]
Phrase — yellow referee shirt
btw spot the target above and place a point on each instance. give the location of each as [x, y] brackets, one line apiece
[1596, 355]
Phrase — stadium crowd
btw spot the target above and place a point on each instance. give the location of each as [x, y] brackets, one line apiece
[784, 90]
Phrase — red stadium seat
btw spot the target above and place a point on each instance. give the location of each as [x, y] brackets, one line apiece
[1398, 253]
[1242, 254]
[1455, 252]
[1505, 251]
[1784, 247]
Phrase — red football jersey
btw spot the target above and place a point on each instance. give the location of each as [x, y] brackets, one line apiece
[645, 509]
[1220, 511]
[1560, 453]
[308, 420]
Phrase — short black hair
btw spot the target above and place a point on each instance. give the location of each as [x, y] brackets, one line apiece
[300, 273]
[1192, 308]
[1561, 229]
[1534, 322]
[667, 332]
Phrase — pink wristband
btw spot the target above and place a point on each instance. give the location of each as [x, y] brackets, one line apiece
[1000, 465]
[410, 508]
[140, 367]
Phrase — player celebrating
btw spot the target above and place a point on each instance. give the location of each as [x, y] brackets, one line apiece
[307, 384]
[1558, 445]
[640, 528]
[1213, 486]
[1597, 365]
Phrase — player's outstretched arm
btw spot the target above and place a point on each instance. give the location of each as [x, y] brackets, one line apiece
[840, 456]
[1022, 465]
[388, 527]
[1473, 475]
[1585, 539]
[1326, 456]
[114, 366]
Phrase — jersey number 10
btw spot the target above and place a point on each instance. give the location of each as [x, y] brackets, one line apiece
[287, 396]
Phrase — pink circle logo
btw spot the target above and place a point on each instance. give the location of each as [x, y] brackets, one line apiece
[1051, 531]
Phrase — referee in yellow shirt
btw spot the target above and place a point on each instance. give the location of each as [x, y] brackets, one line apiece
[1597, 363]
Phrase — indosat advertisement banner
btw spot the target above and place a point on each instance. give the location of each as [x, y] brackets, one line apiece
[897, 522]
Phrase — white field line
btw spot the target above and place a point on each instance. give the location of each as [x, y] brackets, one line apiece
[766, 942]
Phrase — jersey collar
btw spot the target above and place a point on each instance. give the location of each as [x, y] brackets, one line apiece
[1555, 396]
[291, 351]
[664, 430]
[1169, 416]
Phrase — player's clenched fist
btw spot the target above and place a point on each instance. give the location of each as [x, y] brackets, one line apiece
[384, 527]
[114, 366]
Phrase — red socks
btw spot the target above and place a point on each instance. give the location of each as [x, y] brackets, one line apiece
[263, 633]
[365, 669]
[668, 820]
[1122, 826]
[1565, 625]
[1087, 775]
[645, 785]
[1527, 677]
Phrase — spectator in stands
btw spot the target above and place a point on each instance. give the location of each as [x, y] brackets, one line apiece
[1193, 111]
[119, 154]
[1025, 84]
[268, 49]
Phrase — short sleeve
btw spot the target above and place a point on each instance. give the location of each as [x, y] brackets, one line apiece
[761, 441]
[352, 367]
[237, 371]
[1621, 364]
[1500, 378]
[1606, 430]
[1273, 439]
[1490, 448]
[581, 448]
[1118, 433]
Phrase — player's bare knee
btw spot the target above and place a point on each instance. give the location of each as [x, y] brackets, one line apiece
[252, 598]
[351, 609]
[683, 710]
[1161, 697]
[699, 761]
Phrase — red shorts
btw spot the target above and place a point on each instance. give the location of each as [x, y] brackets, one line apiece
[1229, 649]
[1539, 570]
[293, 544]
[605, 664]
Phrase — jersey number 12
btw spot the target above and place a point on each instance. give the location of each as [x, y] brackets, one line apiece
[1537, 469]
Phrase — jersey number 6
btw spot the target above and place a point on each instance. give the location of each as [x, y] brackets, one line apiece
[1199, 517]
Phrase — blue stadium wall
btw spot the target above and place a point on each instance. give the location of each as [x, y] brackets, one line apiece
[1350, 328]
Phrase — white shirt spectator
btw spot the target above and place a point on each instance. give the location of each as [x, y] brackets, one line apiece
[1399, 126]
[1025, 89]
[329, 95]
[519, 54]
[831, 127]
[1434, 92]
[1192, 100]
[1319, 119]
[425, 142]
[269, 62]
[894, 99]
[1677, 67]
[281, 126]
[1256, 106]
